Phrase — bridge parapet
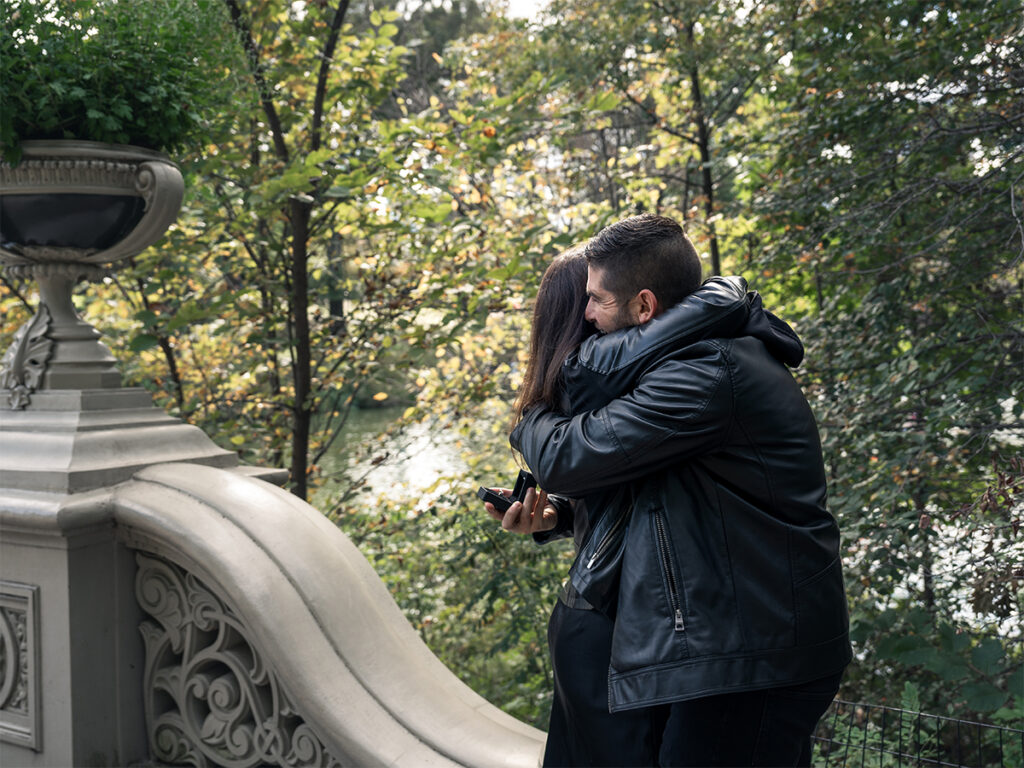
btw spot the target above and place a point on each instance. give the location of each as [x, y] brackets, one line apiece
[161, 603]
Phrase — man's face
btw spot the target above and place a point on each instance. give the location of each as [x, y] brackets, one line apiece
[605, 311]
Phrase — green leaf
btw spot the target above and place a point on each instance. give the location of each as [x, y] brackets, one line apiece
[982, 696]
[431, 211]
[603, 102]
[951, 639]
[949, 667]
[988, 656]
[911, 698]
[1017, 683]
[143, 342]
[146, 317]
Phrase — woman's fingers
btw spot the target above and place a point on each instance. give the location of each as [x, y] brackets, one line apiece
[513, 519]
[531, 515]
[491, 509]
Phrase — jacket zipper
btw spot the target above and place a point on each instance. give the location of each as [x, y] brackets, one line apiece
[607, 540]
[666, 564]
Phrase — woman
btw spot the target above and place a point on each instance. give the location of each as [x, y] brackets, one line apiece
[581, 731]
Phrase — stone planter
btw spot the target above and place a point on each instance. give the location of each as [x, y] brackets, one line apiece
[80, 202]
[68, 209]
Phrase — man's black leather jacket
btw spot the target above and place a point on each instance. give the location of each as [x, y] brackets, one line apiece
[729, 571]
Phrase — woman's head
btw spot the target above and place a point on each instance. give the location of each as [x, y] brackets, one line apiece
[558, 328]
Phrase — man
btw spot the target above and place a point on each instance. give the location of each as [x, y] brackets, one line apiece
[731, 614]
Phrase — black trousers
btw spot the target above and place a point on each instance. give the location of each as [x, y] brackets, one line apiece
[754, 728]
[765, 728]
[581, 730]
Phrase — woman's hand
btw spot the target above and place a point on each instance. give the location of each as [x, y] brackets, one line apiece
[532, 515]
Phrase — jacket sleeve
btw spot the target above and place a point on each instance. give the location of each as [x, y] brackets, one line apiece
[564, 528]
[679, 409]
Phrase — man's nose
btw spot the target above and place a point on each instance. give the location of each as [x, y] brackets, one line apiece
[588, 313]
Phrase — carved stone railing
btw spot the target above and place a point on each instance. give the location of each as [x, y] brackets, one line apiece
[159, 602]
[270, 640]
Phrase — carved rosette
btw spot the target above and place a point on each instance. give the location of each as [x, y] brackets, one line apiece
[211, 699]
[19, 664]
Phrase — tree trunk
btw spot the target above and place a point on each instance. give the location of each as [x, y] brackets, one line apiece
[301, 354]
[707, 182]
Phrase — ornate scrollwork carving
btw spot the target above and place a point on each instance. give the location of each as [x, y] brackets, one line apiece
[211, 699]
[25, 361]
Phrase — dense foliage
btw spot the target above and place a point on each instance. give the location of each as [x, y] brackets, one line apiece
[153, 73]
[371, 223]
[896, 207]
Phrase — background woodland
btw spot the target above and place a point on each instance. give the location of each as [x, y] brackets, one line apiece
[368, 216]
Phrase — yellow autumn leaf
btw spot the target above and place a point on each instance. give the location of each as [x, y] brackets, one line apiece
[380, 396]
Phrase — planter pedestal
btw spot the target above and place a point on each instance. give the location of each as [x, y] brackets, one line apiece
[69, 434]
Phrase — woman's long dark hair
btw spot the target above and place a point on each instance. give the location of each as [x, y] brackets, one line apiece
[558, 328]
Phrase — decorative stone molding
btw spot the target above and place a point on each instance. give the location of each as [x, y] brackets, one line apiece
[19, 664]
[24, 363]
[103, 176]
[72, 271]
[211, 699]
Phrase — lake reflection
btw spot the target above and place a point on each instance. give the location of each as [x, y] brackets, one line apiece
[415, 458]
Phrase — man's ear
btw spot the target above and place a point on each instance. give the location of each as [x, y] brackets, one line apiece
[646, 306]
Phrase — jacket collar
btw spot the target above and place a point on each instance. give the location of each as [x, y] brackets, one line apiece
[718, 309]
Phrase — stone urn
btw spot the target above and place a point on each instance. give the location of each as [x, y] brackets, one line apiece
[69, 209]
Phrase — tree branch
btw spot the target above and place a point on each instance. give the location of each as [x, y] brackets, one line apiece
[17, 294]
[325, 68]
[244, 28]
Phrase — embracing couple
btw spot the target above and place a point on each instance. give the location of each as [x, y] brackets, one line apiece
[704, 620]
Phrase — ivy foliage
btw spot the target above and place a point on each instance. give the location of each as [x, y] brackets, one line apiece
[152, 73]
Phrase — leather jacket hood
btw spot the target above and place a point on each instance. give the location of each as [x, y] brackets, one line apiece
[607, 365]
[726, 558]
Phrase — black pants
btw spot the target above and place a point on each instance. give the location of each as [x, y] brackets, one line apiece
[755, 728]
[581, 730]
[765, 728]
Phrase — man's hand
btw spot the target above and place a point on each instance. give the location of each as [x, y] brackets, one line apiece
[532, 515]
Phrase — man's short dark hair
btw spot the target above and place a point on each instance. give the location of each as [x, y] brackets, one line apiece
[646, 251]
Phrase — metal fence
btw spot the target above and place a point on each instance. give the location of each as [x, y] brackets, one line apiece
[853, 735]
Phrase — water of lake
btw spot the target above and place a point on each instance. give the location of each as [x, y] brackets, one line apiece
[414, 459]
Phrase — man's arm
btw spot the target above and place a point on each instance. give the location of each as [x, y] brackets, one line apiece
[678, 410]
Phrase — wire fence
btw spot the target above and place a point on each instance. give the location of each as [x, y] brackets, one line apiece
[852, 735]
